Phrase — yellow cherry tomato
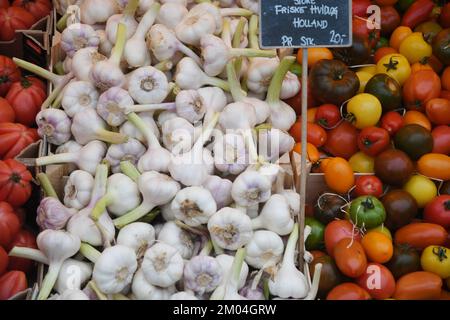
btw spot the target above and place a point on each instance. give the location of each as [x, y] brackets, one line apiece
[363, 77]
[365, 110]
[436, 259]
[362, 163]
[422, 189]
[415, 48]
[369, 69]
[382, 229]
[395, 65]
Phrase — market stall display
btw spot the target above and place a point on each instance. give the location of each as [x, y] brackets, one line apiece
[171, 127]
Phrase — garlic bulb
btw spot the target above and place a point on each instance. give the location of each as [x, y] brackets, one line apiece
[194, 206]
[230, 228]
[78, 189]
[162, 265]
[114, 269]
[178, 238]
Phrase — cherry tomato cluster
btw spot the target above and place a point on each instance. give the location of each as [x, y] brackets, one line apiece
[21, 98]
[385, 228]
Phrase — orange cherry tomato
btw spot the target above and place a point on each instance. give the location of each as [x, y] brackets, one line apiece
[378, 281]
[416, 117]
[445, 79]
[312, 153]
[438, 111]
[434, 165]
[378, 247]
[420, 285]
[399, 34]
[348, 291]
[350, 258]
[421, 235]
[314, 55]
[337, 230]
[339, 175]
[383, 51]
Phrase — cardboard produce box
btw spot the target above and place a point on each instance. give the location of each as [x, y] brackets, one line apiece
[33, 44]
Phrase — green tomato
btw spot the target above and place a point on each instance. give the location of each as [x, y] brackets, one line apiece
[315, 240]
[367, 212]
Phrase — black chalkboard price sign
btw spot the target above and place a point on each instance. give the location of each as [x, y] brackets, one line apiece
[305, 23]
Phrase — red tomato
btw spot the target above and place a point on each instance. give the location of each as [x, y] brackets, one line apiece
[420, 285]
[441, 139]
[38, 8]
[392, 122]
[342, 141]
[6, 111]
[12, 19]
[12, 283]
[350, 257]
[15, 186]
[316, 135]
[14, 137]
[337, 230]
[3, 260]
[421, 235]
[438, 111]
[361, 30]
[383, 51]
[348, 291]
[359, 7]
[23, 238]
[26, 98]
[328, 116]
[421, 87]
[9, 73]
[368, 185]
[390, 19]
[378, 281]
[373, 140]
[9, 224]
[4, 4]
[417, 13]
[438, 211]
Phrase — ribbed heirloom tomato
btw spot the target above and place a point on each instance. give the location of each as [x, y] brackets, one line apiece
[15, 186]
[9, 224]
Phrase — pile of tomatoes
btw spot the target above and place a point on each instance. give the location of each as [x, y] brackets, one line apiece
[20, 101]
[382, 109]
